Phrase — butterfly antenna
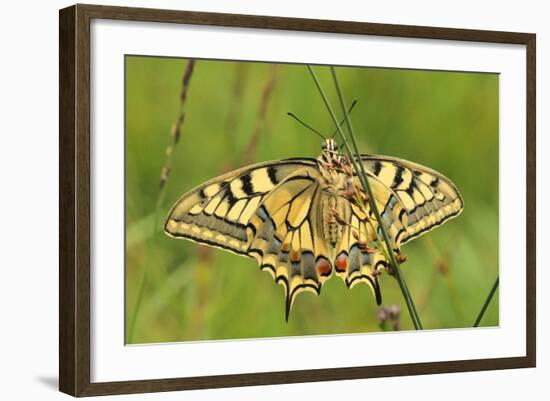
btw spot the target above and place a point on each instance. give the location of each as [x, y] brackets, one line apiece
[305, 125]
[344, 119]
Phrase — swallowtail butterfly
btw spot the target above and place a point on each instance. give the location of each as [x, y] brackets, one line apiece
[296, 218]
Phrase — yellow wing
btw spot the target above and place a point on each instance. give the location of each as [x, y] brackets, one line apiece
[217, 212]
[411, 198]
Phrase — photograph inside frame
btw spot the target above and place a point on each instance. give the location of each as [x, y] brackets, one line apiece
[268, 200]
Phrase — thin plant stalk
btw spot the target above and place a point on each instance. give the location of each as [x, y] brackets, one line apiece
[486, 303]
[165, 173]
[366, 186]
[364, 182]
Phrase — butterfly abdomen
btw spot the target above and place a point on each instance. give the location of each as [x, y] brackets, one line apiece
[333, 209]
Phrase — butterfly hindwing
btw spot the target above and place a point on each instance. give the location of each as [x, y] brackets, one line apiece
[355, 262]
[287, 240]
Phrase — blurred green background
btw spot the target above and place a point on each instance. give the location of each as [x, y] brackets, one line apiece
[177, 290]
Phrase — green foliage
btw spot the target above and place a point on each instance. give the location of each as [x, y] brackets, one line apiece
[445, 120]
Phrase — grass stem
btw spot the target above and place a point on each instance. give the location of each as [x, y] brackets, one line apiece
[486, 303]
[165, 173]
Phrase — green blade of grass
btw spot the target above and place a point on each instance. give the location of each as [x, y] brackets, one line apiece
[486, 303]
[155, 223]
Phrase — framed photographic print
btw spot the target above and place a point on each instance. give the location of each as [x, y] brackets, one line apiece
[251, 200]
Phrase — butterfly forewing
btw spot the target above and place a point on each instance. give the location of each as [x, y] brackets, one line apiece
[217, 212]
[421, 198]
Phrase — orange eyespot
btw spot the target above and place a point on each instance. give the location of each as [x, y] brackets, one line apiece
[295, 256]
[323, 267]
[341, 262]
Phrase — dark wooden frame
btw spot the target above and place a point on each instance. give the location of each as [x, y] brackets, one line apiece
[74, 199]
